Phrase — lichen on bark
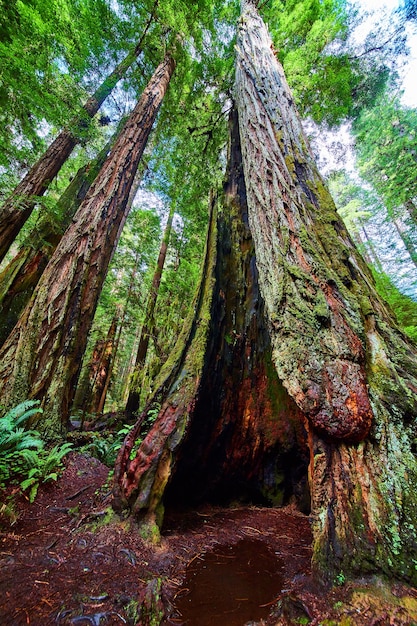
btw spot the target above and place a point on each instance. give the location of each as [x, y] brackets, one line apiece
[336, 346]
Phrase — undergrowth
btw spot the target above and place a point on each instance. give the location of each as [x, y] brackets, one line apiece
[23, 457]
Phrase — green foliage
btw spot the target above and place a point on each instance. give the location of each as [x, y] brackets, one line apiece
[106, 447]
[404, 307]
[321, 81]
[43, 466]
[22, 452]
[47, 48]
[15, 441]
[354, 202]
[340, 579]
[386, 148]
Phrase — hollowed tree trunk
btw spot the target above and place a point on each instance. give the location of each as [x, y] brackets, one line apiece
[335, 346]
[225, 418]
[43, 354]
[226, 429]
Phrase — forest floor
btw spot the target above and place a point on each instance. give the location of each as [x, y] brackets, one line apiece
[68, 560]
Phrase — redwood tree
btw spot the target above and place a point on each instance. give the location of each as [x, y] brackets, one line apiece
[42, 356]
[226, 428]
[20, 276]
[334, 346]
[132, 405]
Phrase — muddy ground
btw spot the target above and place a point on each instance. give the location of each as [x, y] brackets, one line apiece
[67, 560]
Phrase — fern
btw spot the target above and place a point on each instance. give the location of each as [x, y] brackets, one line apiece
[43, 467]
[20, 414]
[22, 453]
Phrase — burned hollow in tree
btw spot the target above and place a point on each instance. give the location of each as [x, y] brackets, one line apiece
[227, 429]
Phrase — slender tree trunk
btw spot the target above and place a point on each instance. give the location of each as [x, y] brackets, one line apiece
[375, 260]
[19, 206]
[406, 239]
[42, 356]
[21, 275]
[226, 428]
[361, 245]
[335, 347]
[101, 374]
[132, 405]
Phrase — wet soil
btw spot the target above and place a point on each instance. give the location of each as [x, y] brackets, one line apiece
[67, 560]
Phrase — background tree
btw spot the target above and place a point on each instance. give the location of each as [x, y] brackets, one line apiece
[125, 288]
[47, 365]
[21, 274]
[386, 148]
[133, 402]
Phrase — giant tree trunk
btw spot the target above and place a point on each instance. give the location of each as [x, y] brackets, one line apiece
[335, 346]
[42, 356]
[19, 206]
[226, 428]
[21, 275]
[132, 405]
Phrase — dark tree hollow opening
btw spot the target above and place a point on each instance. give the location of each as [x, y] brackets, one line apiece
[246, 441]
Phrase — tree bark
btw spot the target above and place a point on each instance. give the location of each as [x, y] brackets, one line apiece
[226, 429]
[97, 374]
[42, 356]
[133, 402]
[21, 275]
[19, 206]
[335, 346]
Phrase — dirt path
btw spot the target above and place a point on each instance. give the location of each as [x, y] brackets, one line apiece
[65, 562]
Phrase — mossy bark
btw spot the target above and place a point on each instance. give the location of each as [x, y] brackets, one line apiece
[336, 347]
[42, 356]
[226, 430]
